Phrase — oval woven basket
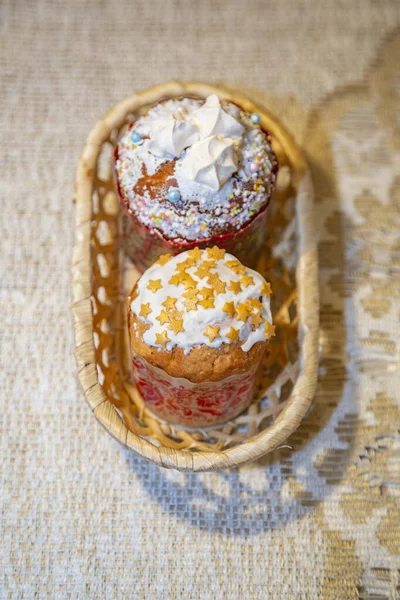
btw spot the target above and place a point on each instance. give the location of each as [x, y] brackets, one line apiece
[101, 276]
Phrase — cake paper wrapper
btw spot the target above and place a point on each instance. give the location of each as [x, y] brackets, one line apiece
[144, 246]
[182, 402]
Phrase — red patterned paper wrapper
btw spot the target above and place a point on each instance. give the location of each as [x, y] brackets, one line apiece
[144, 246]
[193, 405]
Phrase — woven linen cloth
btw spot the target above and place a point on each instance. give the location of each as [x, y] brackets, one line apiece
[82, 517]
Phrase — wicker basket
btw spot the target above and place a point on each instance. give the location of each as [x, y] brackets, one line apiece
[101, 276]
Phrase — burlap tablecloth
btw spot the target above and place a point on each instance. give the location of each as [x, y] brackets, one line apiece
[82, 517]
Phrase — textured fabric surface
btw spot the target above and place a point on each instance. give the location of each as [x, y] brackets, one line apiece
[80, 516]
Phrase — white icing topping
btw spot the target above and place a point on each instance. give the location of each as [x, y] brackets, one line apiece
[213, 120]
[210, 162]
[195, 321]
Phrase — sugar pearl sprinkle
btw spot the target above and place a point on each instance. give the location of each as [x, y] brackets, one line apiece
[203, 297]
[199, 212]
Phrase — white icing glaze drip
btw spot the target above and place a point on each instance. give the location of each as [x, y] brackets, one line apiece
[196, 321]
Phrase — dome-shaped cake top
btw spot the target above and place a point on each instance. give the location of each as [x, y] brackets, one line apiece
[195, 169]
[202, 297]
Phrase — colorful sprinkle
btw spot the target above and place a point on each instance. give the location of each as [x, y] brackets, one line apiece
[255, 118]
[136, 137]
[174, 194]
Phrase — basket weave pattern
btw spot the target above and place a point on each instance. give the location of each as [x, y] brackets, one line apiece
[102, 277]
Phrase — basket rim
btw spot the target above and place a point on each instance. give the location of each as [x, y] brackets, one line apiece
[306, 276]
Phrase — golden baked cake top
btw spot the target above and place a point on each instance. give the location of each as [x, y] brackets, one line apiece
[202, 297]
[193, 169]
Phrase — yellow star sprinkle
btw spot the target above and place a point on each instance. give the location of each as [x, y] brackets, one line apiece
[242, 312]
[256, 320]
[154, 285]
[177, 278]
[246, 280]
[229, 307]
[269, 329]
[206, 292]
[235, 266]
[176, 325]
[191, 294]
[145, 310]
[162, 339]
[163, 317]
[195, 253]
[189, 282]
[175, 314]
[218, 285]
[215, 252]
[255, 303]
[190, 303]
[185, 264]
[164, 258]
[235, 287]
[266, 289]
[211, 332]
[204, 268]
[233, 335]
[169, 302]
[207, 303]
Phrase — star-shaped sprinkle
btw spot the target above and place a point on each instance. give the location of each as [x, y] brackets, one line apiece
[177, 278]
[162, 339]
[191, 294]
[218, 285]
[256, 320]
[154, 285]
[164, 258]
[206, 292]
[185, 264]
[204, 268]
[176, 314]
[189, 282]
[191, 303]
[229, 308]
[169, 303]
[266, 289]
[255, 303]
[195, 253]
[235, 266]
[207, 303]
[235, 287]
[215, 252]
[145, 310]
[176, 325]
[211, 332]
[269, 330]
[246, 280]
[233, 335]
[163, 317]
[242, 312]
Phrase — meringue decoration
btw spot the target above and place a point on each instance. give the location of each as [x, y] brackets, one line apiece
[213, 120]
[211, 161]
[172, 135]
